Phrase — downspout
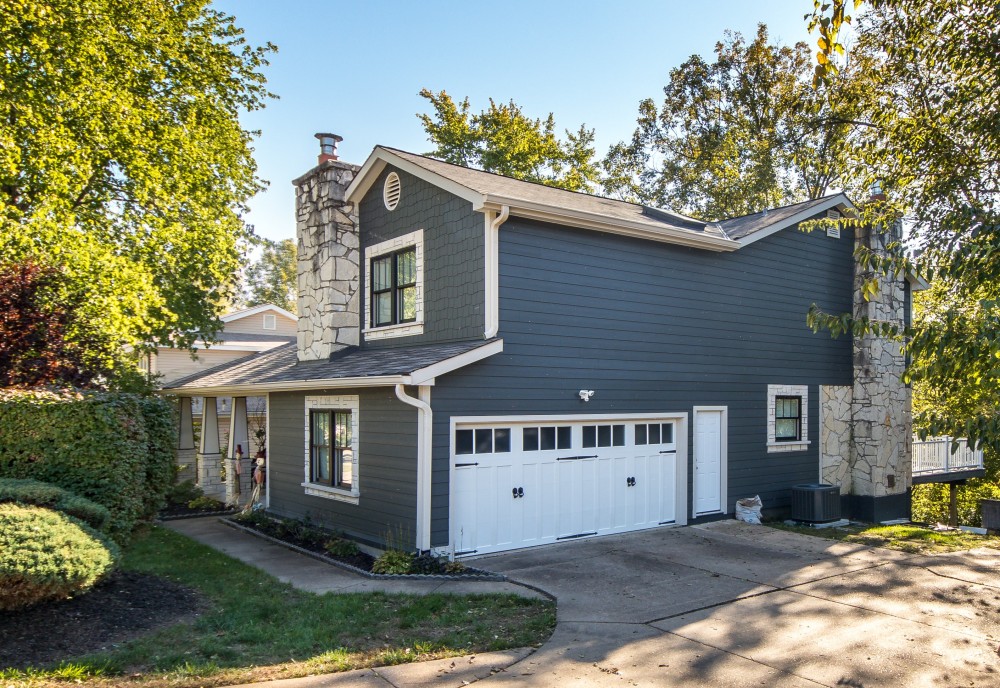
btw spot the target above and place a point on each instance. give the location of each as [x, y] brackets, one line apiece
[425, 435]
[492, 241]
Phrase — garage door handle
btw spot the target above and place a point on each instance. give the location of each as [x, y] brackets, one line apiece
[517, 492]
[575, 458]
[630, 482]
[460, 465]
[669, 451]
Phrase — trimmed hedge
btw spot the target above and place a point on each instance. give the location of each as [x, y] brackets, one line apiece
[113, 448]
[37, 493]
[46, 555]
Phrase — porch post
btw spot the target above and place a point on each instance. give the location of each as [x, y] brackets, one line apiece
[186, 456]
[209, 456]
[238, 468]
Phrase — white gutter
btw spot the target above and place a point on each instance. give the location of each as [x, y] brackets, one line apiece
[492, 243]
[254, 388]
[425, 435]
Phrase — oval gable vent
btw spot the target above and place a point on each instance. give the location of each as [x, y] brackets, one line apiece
[390, 194]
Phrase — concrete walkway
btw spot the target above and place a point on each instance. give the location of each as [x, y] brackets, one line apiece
[724, 604]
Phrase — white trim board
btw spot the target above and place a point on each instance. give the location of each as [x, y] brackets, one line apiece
[840, 201]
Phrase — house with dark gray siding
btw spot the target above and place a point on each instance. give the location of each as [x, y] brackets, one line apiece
[485, 364]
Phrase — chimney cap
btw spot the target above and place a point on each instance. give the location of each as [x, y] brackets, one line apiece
[327, 146]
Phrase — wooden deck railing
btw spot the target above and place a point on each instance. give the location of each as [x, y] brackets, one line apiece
[934, 455]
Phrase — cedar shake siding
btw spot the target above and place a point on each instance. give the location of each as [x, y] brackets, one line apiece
[387, 466]
[454, 287]
[657, 327]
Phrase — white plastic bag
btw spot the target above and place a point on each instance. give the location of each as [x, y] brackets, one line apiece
[748, 509]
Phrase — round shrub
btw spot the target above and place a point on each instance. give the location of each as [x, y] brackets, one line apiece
[47, 555]
[37, 493]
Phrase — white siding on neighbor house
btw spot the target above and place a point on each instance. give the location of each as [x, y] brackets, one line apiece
[254, 324]
[174, 364]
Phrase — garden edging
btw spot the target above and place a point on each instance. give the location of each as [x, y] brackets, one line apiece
[479, 576]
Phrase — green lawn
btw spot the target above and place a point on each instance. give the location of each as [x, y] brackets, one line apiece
[256, 628]
[906, 538]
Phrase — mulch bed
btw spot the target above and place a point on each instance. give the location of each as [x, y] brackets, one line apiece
[126, 605]
[175, 511]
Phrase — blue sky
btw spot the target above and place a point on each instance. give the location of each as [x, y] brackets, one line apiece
[356, 68]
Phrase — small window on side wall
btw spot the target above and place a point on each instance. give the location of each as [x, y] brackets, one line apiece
[270, 321]
[787, 419]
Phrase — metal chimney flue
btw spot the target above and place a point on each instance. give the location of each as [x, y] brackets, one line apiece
[327, 147]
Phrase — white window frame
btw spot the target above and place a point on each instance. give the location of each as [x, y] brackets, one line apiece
[773, 392]
[348, 402]
[411, 240]
[270, 318]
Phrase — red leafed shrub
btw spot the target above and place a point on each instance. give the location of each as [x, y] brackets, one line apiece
[34, 349]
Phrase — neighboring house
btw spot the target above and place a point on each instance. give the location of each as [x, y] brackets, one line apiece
[244, 332]
[485, 364]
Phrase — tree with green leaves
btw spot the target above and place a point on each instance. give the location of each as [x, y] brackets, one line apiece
[273, 277]
[502, 139]
[734, 136]
[926, 133]
[123, 164]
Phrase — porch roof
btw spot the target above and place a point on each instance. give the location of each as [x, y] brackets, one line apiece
[280, 370]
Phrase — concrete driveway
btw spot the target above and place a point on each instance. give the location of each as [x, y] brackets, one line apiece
[727, 604]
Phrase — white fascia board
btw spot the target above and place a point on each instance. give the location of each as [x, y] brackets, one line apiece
[601, 223]
[381, 157]
[839, 201]
[230, 317]
[256, 389]
[917, 283]
[425, 376]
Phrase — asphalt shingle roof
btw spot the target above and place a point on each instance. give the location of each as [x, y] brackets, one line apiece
[281, 364]
[739, 227]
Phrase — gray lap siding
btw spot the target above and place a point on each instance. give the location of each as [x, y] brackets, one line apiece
[387, 465]
[655, 327]
[454, 285]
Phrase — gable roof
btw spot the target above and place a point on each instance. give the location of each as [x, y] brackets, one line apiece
[253, 310]
[750, 228]
[280, 369]
[488, 191]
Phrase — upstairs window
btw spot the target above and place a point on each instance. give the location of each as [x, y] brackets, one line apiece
[394, 288]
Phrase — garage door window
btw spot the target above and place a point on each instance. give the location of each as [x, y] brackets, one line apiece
[603, 435]
[547, 437]
[654, 433]
[482, 441]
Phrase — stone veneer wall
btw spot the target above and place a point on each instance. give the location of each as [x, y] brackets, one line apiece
[835, 435]
[328, 261]
[880, 408]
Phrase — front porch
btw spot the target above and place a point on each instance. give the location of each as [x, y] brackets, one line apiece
[221, 457]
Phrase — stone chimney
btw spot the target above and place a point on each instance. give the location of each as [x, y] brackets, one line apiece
[329, 256]
[880, 408]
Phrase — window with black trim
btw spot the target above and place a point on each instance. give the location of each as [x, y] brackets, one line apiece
[547, 437]
[654, 433]
[331, 457]
[394, 288]
[787, 419]
[482, 441]
[603, 435]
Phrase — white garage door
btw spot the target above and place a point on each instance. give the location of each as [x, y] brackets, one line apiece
[520, 484]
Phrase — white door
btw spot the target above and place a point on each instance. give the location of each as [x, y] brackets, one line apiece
[533, 482]
[709, 460]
